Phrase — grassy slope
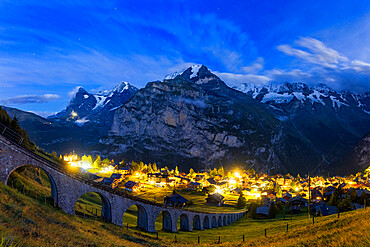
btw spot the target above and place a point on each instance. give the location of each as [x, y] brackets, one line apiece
[33, 223]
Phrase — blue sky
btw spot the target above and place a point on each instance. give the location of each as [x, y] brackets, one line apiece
[48, 48]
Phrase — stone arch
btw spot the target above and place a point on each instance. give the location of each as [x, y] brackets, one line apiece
[229, 219]
[196, 223]
[166, 221]
[142, 217]
[220, 223]
[214, 222]
[225, 220]
[106, 210]
[184, 222]
[53, 186]
[206, 223]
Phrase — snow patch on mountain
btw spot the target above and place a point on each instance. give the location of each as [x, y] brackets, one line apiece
[194, 72]
[81, 122]
[285, 93]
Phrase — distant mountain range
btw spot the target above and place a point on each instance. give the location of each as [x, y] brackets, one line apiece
[193, 119]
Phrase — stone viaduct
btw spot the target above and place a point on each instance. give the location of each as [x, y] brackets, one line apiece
[67, 188]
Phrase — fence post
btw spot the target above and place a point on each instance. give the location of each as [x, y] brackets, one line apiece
[265, 232]
[338, 213]
[198, 240]
[287, 225]
[127, 229]
[243, 239]
[365, 203]
[313, 220]
[219, 239]
[157, 235]
[175, 238]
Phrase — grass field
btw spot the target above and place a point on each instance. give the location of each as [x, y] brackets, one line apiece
[29, 222]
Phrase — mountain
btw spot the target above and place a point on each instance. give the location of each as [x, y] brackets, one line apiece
[87, 118]
[95, 109]
[194, 119]
[356, 160]
[49, 134]
[331, 121]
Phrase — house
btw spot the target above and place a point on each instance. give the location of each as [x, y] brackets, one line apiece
[236, 191]
[326, 210]
[263, 211]
[316, 194]
[131, 186]
[124, 170]
[298, 201]
[175, 200]
[295, 209]
[199, 177]
[116, 176]
[193, 186]
[211, 181]
[215, 199]
[107, 181]
[287, 196]
[93, 176]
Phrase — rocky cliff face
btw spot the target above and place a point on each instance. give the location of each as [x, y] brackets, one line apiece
[355, 160]
[195, 120]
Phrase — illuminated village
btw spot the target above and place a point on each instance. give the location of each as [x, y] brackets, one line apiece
[223, 188]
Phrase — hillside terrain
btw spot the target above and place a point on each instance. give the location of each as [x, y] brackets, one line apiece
[27, 222]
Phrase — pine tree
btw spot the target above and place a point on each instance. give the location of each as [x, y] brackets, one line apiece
[272, 211]
[155, 169]
[253, 210]
[97, 162]
[242, 202]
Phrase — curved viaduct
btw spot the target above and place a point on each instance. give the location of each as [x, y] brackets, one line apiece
[67, 188]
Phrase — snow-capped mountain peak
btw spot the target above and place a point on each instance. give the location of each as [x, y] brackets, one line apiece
[194, 71]
[275, 94]
[86, 107]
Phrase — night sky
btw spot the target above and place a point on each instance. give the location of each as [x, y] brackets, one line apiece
[48, 48]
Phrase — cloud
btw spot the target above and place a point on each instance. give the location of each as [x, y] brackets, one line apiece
[30, 99]
[316, 53]
[319, 63]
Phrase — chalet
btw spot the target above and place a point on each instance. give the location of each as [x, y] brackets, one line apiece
[236, 191]
[131, 186]
[298, 201]
[215, 199]
[175, 200]
[182, 180]
[263, 211]
[316, 195]
[158, 177]
[295, 209]
[211, 181]
[199, 177]
[326, 210]
[117, 176]
[93, 176]
[124, 170]
[193, 186]
[287, 196]
[107, 181]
